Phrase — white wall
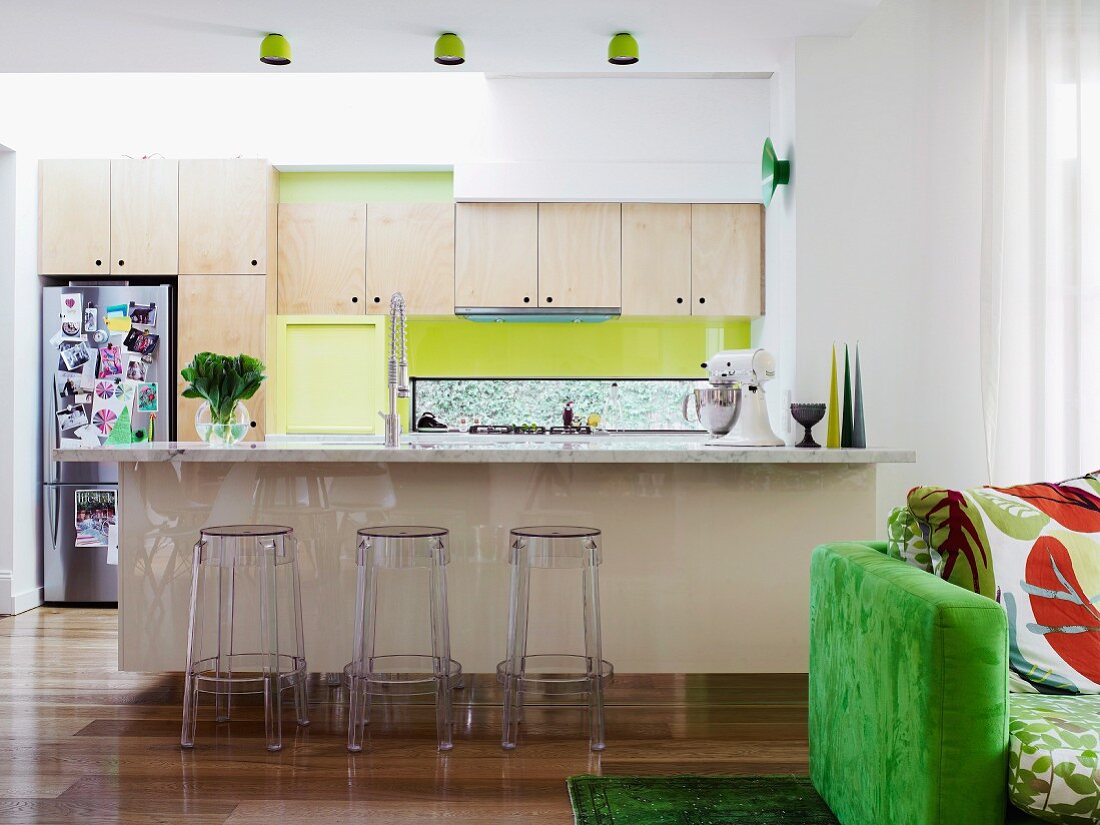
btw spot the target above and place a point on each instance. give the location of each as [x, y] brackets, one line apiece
[7, 371]
[888, 211]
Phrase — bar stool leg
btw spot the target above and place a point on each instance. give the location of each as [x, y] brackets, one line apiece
[227, 578]
[194, 642]
[301, 697]
[363, 663]
[593, 648]
[269, 649]
[441, 647]
[517, 643]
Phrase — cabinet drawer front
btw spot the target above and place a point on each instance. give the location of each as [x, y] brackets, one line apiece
[144, 217]
[496, 254]
[74, 217]
[322, 258]
[727, 259]
[580, 247]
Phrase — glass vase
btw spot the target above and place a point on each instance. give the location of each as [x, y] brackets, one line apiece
[228, 431]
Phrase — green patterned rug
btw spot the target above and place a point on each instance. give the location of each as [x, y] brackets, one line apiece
[697, 800]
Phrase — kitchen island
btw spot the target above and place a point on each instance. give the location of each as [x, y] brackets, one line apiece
[706, 548]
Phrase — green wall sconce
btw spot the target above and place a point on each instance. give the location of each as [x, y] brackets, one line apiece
[450, 50]
[275, 50]
[622, 50]
[773, 172]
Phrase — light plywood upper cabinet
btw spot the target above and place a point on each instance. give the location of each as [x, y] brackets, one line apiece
[727, 259]
[322, 258]
[226, 216]
[144, 217]
[226, 314]
[656, 259]
[496, 255]
[411, 250]
[580, 246]
[74, 217]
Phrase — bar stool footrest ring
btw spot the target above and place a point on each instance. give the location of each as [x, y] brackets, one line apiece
[559, 673]
[404, 674]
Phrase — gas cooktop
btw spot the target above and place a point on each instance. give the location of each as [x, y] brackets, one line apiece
[526, 429]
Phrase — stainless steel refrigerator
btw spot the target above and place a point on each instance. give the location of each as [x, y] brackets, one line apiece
[108, 376]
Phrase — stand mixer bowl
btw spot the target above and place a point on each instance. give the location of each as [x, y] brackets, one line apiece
[716, 408]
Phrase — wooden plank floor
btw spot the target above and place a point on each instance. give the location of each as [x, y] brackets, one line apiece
[81, 742]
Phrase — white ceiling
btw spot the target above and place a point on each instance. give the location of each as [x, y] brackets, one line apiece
[501, 36]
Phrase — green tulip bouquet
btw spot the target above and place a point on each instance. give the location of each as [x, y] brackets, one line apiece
[222, 381]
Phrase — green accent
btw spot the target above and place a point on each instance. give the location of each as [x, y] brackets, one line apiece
[1053, 759]
[622, 50]
[275, 50]
[221, 381]
[450, 50]
[846, 412]
[669, 800]
[621, 348]
[121, 433]
[773, 172]
[956, 535]
[832, 439]
[908, 692]
[331, 374]
[368, 187]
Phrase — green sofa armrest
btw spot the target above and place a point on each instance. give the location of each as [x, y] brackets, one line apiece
[908, 693]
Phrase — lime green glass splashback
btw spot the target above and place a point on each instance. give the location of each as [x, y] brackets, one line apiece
[366, 187]
[627, 348]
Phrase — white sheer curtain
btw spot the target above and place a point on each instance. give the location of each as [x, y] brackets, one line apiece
[1040, 325]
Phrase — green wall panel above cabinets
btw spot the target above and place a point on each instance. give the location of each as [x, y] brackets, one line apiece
[368, 187]
[665, 348]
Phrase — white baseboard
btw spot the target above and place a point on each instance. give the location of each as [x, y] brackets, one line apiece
[11, 603]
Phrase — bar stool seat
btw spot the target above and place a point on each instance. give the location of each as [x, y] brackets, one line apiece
[557, 547]
[367, 675]
[228, 550]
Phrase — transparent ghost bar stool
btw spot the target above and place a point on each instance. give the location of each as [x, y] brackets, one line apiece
[554, 547]
[221, 553]
[367, 675]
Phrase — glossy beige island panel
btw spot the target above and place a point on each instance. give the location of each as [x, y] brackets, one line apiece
[706, 566]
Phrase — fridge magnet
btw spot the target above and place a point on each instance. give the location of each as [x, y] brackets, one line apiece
[75, 355]
[136, 368]
[140, 341]
[115, 311]
[96, 512]
[143, 314]
[147, 398]
[71, 418]
[110, 361]
[100, 336]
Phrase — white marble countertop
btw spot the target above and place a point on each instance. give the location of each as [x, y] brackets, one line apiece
[463, 449]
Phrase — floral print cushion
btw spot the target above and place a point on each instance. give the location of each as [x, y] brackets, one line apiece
[1054, 742]
[905, 541]
[1035, 548]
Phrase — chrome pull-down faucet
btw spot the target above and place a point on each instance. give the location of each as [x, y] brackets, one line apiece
[397, 369]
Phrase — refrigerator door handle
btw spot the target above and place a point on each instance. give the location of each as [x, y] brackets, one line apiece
[54, 499]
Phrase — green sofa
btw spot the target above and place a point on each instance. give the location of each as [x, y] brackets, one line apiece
[908, 694]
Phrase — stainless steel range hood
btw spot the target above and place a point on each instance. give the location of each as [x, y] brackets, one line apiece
[536, 315]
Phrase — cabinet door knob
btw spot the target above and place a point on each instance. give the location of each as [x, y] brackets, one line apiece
[377, 299]
[526, 299]
[252, 424]
[121, 262]
[255, 262]
[98, 262]
[679, 300]
[702, 300]
[549, 299]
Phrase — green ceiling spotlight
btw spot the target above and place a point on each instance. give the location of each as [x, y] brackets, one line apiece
[275, 50]
[450, 50]
[773, 172]
[622, 50]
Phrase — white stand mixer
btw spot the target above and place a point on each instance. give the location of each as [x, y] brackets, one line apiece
[751, 369]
